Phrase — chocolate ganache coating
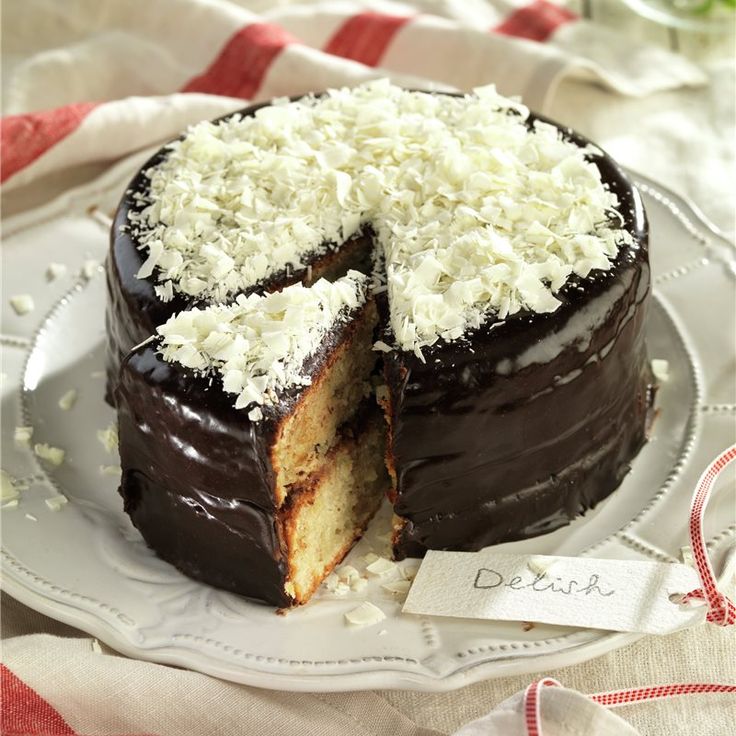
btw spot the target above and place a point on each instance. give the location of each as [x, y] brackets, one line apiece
[197, 478]
[526, 422]
[509, 432]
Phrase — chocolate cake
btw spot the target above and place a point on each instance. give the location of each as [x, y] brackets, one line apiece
[503, 307]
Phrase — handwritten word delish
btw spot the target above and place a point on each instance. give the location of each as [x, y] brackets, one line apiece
[487, 579]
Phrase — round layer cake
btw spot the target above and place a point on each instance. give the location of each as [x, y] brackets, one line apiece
[505, 312]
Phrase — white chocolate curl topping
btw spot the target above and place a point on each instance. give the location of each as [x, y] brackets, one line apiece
[259, 343]
[476, 214]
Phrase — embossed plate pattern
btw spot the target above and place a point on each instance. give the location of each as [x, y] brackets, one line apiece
[87, 566]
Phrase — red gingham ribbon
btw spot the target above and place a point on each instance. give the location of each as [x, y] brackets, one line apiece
[532, 712]
[614, 698]
[721, 611]
[655, 692]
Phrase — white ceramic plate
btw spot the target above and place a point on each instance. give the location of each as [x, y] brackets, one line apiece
[87, 566]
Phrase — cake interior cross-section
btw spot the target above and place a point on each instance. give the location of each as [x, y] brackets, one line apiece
[317, 304]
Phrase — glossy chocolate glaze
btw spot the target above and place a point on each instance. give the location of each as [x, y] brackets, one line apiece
[526, 423]
[483, 455]
[198, 477]
[133, 309]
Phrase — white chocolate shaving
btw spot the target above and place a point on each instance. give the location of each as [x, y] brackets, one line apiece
[56, 502]
[8, 490]
[399, 587]
[68, 400]
[55, 271]
[382, 347]
[358, 585]
[22, 304]
[108, 438]
[381, 567]
[366, 614]
[539, 565]
[22, 436]
[53, 455]
[661, 370]
[409, 572]
[476, 214]
[347, 574]
[336, 586]
[89, 268]
[259, 344]
[114, 470]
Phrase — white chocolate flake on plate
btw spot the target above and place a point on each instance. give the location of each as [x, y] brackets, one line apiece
[661, 370]
[22, 436]
[347, 573]
[113, 470]
[22, 304]
[8, 489]
[381, 567]
[540, 565]
[55, 503]
[67, 401]
[55, 271]
[409, 572]
[89, 268]
[358, 585]
[53, 455]
[366, 614]
[400, 587]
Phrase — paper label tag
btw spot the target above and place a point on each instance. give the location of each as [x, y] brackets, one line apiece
[618, 595]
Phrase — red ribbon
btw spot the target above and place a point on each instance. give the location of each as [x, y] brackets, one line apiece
[721, 611]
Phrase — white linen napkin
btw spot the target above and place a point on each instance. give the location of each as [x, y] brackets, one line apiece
[93, 80]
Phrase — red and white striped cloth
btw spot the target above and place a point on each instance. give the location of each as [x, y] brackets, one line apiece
[93, 80]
